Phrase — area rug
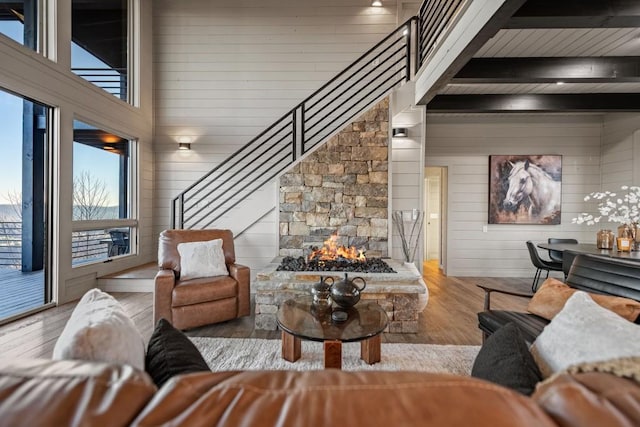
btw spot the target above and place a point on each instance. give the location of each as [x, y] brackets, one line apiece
[228, 354]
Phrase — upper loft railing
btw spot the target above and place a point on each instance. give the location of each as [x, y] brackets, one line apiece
[434, 18]
[386, 66]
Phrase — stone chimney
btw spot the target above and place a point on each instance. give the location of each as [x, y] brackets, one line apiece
[340, 188]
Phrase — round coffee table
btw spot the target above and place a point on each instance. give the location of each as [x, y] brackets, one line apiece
[300, 319]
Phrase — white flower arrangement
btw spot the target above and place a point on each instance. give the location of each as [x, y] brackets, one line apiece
[623, 210]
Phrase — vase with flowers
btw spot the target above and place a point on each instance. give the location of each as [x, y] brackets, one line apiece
[622, 209]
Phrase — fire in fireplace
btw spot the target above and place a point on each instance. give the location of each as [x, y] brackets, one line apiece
[334, 257]
[330, 251]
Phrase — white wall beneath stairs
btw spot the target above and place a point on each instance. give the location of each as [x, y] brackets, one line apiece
[407, 184]
[225, 70]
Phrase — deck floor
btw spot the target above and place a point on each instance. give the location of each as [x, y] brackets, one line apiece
[20, 292]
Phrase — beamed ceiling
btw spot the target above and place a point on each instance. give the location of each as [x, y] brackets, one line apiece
[551, 55]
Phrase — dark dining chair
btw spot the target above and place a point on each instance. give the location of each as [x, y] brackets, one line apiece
[557, 255]
[540, 264]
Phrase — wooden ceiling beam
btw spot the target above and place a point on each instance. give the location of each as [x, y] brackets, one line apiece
[491, 27]
[509, 103]
[576, 14]
[604, 69]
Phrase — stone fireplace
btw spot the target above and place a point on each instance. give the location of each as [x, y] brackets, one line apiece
[340, 188]
[340, 193]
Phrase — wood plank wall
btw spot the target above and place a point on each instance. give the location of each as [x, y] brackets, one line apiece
[224, 70]
[620, 151]
[406, 181]
[463, 143]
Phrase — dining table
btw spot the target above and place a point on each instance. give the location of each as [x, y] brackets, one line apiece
[570, 250]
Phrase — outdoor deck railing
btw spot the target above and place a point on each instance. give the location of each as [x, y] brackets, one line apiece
[85, 245]
[113, 80]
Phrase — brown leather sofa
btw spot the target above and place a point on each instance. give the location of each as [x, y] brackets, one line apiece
[74, 393]
[202, 301]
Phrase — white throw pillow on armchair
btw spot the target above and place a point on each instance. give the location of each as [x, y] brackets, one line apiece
[202, 259]
[99, 330]
[583, 331]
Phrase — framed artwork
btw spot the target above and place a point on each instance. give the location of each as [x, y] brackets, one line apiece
[525, 189]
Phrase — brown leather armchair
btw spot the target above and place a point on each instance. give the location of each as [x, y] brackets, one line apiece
[202, 301]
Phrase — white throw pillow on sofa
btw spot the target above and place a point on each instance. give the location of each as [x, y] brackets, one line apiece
[583, 331]
[100, 330]
[202, 259]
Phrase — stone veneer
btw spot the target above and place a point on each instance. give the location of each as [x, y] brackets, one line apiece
[341, 187]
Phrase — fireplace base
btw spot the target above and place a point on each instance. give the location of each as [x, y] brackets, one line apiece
[403, 295]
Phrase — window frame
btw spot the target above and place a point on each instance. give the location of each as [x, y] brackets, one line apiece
[131, 45]
[132, 200]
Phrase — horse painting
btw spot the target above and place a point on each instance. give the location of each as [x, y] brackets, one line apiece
[527, 194]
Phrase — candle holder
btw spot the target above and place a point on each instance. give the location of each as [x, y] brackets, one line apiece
[624, 244]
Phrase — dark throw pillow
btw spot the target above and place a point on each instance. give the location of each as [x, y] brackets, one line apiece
[170, 353]
[505, 359]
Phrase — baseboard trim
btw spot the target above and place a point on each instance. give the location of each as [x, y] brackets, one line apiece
[115, 285]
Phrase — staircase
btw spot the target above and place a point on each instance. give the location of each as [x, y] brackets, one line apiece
[247, 180]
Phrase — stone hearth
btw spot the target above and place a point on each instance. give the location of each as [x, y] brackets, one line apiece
[402, 294]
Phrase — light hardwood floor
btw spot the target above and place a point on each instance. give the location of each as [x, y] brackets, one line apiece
[449, 318]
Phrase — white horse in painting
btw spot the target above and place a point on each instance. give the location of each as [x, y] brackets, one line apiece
[528, 181]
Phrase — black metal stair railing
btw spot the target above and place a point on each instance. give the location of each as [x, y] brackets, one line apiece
[372, 76]
[367, 80]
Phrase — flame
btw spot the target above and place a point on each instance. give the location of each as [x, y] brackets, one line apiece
[330, 251]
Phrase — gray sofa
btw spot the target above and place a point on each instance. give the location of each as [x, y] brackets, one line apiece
[590, 273]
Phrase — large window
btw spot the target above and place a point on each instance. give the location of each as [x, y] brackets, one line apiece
[99, 48]
[24, 195]
[19, 21]
[102, 212]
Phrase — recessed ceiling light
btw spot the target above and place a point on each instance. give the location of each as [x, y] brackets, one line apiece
[376, 3]
[559, 83]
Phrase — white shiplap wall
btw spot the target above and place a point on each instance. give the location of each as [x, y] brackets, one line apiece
[406, 179]
[226, 69]
[620, 151]
[463, 144]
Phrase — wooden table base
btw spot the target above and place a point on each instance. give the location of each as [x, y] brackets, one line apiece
[333, 354]
[291, 350]
[369, 350]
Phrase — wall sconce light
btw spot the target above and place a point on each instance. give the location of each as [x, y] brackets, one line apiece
[184, 143]
[400, 132]
[376, 3]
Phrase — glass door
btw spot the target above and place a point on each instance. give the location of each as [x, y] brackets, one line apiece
[24, 218]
